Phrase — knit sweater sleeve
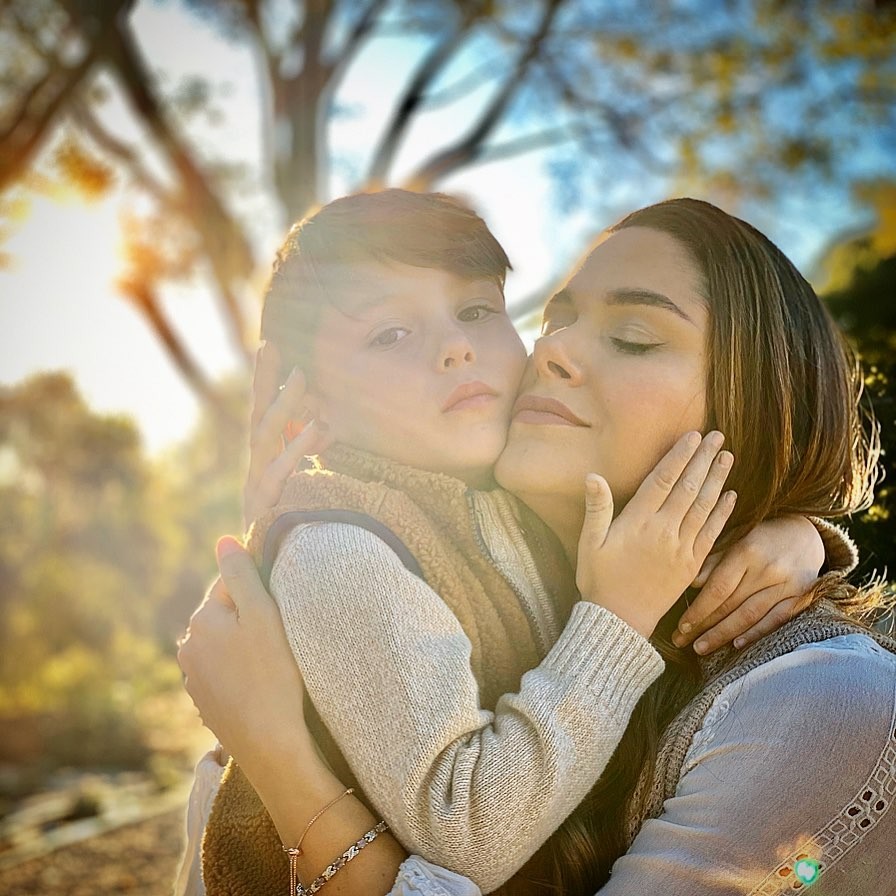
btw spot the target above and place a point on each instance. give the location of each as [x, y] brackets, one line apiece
[388, 668]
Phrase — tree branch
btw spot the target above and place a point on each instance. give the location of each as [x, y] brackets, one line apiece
[480, 74]
[410, 101]
[469, 147]
[142, 296]
[124, 154]
[301, 102]
[526, 143]
[223, 240]
[33, 120]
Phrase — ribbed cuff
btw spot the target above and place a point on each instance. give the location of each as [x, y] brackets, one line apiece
[606, 654]
[840, 551]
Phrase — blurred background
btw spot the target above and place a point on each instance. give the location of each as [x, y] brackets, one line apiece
[153, 153]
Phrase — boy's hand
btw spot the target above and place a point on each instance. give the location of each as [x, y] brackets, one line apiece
[238, 667]
[754, 587]
[271, 457]
[639, 564]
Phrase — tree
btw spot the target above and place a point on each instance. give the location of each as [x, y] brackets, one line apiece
[747, 97]
[103, 555]
[860, 291]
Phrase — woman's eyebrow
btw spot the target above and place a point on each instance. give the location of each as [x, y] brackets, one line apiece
[563, 297]
[639, 296]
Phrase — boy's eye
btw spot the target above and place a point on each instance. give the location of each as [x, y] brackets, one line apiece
[389, 337]
[633, 348]
[476, 312]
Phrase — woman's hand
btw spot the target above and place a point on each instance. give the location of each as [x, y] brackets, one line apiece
[639, 564]
[277, 411]
[754, 587]
[239, 669]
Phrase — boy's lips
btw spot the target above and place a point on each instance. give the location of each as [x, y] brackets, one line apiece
[469, 395]
[533, 409]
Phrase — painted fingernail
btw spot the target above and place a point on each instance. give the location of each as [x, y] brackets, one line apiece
[701, 647]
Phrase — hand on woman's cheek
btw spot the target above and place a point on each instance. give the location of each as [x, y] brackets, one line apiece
[638, 564]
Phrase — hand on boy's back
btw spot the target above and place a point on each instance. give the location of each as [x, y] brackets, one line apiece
[276, 408]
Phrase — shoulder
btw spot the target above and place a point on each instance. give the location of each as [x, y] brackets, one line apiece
[316, 561]
[335, 545]
[847, 676]
[853, 663]
[834, 698]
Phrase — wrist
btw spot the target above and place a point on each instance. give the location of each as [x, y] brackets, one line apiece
[637, 618]
[274, 754]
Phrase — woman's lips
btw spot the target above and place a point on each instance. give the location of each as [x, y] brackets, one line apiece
[544, 411]
[469, 395]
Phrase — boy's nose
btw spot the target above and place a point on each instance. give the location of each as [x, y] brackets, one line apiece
[456, 351]
[455, 360]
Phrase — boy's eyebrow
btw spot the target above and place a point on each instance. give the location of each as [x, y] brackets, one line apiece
[638, 296]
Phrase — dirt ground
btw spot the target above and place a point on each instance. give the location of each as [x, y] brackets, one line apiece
[139, 859]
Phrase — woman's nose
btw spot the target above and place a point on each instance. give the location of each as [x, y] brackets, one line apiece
[554, 360]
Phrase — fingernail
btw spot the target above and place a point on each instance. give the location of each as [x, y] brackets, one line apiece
[726, 458]
[677, 639]
[684, 627]
[227, 545]
[739, 642]
[701, 647]
[693, 439]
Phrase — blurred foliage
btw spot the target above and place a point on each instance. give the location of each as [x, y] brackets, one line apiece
[103, 555]
[756, 102]
[861, 293]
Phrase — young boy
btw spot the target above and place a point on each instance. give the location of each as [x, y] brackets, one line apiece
[415, 596]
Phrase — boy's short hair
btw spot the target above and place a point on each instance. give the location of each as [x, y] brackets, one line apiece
[427, 230]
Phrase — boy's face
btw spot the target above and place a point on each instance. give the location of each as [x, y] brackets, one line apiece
[420, 366]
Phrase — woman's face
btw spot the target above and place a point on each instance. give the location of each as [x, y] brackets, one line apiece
[617, 377]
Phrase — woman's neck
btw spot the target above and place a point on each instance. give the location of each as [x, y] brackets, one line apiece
[563, 514]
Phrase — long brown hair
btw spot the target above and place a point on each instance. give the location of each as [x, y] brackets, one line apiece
[786, 390]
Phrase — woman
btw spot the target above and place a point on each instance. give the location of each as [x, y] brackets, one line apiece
[687, 318]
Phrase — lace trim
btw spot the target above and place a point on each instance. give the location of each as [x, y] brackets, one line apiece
[828, 846]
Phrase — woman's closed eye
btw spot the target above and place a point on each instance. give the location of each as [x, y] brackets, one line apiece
[635, 345]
